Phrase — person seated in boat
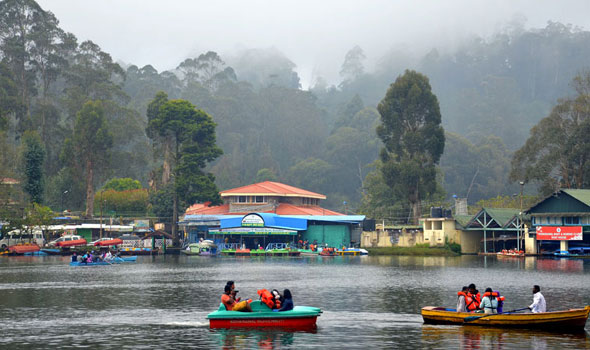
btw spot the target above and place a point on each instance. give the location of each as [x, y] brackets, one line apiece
[538, 304]
[489, 302]
[501, 299]
[108, 256]
[230, 303]
[278, 298]
[461, 296]
[233, 290]
[473, 299]
[287, 301]
[75, 257]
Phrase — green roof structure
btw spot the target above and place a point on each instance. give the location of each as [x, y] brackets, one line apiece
[581, 195]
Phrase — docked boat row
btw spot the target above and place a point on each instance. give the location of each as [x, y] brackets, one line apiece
[209, 248]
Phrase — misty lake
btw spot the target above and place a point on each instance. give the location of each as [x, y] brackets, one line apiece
[368, 302]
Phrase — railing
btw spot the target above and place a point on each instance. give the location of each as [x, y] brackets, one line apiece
[229, 246]
[272, 246]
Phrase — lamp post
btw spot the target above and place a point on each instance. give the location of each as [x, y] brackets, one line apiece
[62, 199]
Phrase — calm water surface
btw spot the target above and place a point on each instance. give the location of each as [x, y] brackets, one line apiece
[368, 302]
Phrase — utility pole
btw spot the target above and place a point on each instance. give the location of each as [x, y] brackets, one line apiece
[100, 214]
[520, 233]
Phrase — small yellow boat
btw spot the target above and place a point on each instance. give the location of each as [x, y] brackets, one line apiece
[568, 321]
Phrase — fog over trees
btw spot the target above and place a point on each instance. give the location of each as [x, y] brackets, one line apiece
[491, 90]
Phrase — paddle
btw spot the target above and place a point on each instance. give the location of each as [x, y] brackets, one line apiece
[473, 318]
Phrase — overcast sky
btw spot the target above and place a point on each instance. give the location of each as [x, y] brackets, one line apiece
[315, 35]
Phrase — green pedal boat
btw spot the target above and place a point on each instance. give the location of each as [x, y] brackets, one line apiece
[300, 318]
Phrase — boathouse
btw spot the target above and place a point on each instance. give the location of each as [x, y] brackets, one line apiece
[270, 212]
[560, 221]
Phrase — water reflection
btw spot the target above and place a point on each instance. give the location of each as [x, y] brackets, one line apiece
[254, 338]
[475, 337]
[368, 301]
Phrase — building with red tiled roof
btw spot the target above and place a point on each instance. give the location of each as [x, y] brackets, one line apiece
[265, 197]
[270, 213]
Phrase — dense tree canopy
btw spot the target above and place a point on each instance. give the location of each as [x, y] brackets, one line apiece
[557, 154]
[491, 92]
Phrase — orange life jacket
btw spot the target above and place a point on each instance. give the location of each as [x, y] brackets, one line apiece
[472, 301]
[463, 294]
[267, 298]
[494, 294]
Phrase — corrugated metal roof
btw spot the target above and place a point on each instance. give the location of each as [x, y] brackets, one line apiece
[463, 220]
[502, 215]
[579, 194]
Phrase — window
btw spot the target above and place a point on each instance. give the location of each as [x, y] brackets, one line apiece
[242, 199]
[259, 199]
[571, 220]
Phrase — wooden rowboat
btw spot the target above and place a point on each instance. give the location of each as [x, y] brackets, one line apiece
[568, 321]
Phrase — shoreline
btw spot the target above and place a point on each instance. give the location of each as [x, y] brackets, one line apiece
[412, 251]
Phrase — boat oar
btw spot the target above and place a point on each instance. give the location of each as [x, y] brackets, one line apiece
[473, 318]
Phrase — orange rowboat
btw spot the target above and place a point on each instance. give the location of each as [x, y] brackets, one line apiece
[73, 243]
[568, 321]
[109, 242]
[24, 248]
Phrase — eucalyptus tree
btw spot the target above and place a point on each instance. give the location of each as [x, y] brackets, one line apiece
[557, 153]
[89, 147]
[413, 138]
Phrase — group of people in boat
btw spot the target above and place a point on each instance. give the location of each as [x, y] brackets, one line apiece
[273, 299]
[90, 257]
[470, 300]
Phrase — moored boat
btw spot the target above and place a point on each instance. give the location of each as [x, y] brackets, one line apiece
[300, 318]
[328, 252]
[511, 253]
[110, 242]
[203, 248]
[24, 248]
[72, 243]
[568, 321]
[352, 251]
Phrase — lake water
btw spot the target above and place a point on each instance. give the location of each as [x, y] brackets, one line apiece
[368, 302]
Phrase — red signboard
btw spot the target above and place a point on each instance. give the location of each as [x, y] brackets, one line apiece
[559, 233]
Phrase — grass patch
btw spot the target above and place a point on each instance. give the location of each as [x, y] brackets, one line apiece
[418, 250]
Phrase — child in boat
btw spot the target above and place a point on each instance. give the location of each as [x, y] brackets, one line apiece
[489, 302]
[287, 301]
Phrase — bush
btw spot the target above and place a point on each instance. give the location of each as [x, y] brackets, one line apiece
[130, 202]
[122, 184]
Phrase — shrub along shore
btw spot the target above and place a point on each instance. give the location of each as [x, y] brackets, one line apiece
[418, 250]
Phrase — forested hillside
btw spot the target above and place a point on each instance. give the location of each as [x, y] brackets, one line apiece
[491, 92]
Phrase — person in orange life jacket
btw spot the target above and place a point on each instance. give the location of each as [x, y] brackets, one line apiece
[461, 296]
[489, 302]
[230, 303]
[287, 301]
[473, 299]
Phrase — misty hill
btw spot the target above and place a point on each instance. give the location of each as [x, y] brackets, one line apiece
[491, 91]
